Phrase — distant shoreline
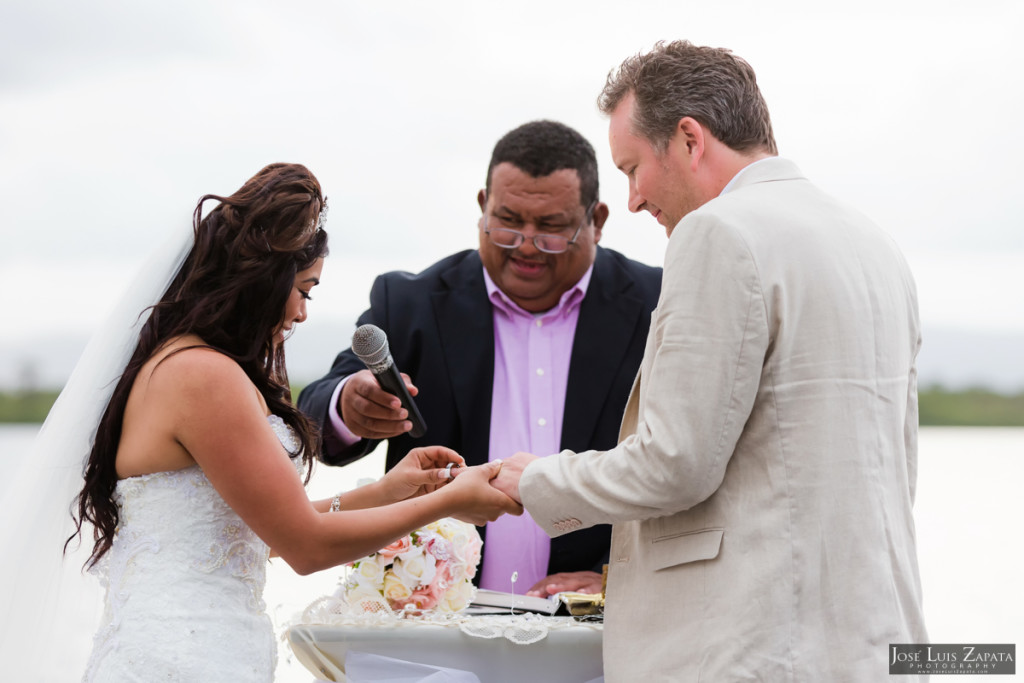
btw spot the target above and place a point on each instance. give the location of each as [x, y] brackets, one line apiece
[979, 407]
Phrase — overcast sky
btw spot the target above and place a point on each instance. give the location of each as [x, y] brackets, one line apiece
[116, 116]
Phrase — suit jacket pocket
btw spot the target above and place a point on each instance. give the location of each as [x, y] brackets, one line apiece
[689, 546]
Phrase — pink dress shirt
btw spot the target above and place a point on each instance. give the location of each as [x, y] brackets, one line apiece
[531, 371]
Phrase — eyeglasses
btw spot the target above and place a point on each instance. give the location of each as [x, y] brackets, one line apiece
[507, 238]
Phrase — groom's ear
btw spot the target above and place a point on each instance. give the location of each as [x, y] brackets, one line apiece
[689, 141]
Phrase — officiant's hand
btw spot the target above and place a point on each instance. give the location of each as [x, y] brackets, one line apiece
[567, 582]
[421, 471]
[369, 411]
[512, 468]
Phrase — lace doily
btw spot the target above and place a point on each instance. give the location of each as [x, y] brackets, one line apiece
[520, 629]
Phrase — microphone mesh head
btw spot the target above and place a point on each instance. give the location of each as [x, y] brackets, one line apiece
[370, 343]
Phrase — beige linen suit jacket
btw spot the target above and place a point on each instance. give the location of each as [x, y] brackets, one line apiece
[761, 492]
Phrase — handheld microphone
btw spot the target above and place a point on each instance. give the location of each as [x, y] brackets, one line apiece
[370, 344]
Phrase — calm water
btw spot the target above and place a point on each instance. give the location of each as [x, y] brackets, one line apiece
[969, 511]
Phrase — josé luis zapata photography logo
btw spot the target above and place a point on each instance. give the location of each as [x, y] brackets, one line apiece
[952, 659]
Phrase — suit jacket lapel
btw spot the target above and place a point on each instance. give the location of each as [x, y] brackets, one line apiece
[463, 315]
[608, 319]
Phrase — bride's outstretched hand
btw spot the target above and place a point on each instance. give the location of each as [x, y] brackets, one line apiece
[470, 496]
[421, 471]
[476, 501]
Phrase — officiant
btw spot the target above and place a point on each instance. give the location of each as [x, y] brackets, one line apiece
[529, 342]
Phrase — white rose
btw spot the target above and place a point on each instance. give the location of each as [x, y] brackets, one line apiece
[457, 597]
[395, 589]
[441, 527]
[414, 568]
[370, 571]
[364, 597]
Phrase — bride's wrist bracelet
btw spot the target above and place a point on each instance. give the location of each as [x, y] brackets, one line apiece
[336, 503]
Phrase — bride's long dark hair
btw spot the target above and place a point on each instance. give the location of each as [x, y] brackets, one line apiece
[231, 292]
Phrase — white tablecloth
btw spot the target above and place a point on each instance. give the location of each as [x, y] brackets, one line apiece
[569, 653]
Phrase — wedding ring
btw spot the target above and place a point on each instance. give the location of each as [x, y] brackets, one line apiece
[448, 470]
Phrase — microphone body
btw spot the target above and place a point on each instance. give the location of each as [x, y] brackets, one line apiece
[370, 345]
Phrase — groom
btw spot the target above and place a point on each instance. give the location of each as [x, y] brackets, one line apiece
[761, 491]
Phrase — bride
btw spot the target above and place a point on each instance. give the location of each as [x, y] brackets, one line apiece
[195, 474]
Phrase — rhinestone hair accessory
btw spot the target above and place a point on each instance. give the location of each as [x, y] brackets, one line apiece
[321, 220]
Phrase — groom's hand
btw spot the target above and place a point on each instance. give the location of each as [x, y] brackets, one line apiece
[479, 502]
[512, 468]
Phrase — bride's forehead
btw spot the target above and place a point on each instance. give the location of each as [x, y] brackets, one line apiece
[311, 273]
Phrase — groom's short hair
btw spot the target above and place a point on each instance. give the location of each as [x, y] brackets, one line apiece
[679, 79]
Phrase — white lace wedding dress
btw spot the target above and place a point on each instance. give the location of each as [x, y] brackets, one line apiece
[184, 581]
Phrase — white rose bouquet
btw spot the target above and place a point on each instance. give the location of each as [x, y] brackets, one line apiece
[431, 569]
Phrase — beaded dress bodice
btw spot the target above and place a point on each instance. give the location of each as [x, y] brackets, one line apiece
[184, 585]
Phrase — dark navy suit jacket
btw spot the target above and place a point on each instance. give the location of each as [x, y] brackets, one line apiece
[441, 333]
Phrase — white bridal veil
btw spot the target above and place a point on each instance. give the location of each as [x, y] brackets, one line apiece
[50, 608]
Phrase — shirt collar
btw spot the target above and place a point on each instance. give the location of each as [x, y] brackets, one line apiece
[569, 300]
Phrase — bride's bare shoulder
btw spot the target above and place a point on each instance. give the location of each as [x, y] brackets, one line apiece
[184, 395]
[186, 367]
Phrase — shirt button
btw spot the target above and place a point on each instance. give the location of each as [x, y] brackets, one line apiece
[540, 323]
[540, 371]
[542, 422]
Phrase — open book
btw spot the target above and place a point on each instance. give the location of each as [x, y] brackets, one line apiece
[496, 602]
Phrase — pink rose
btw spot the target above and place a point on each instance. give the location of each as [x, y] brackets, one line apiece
[426, 597]
[471, 555]
[400, 546]
[439, 548]
[446, 574]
